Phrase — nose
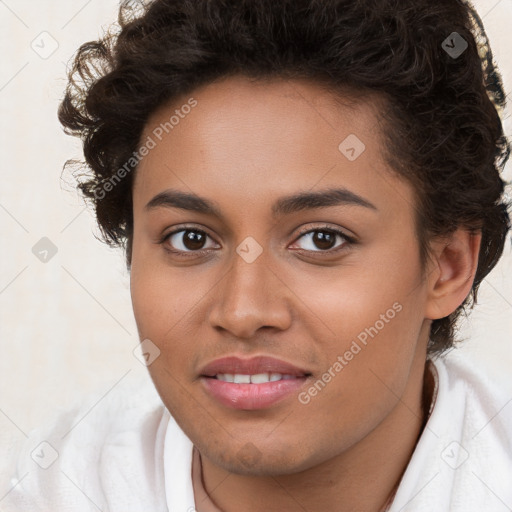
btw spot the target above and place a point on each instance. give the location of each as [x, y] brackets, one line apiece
[251, 295]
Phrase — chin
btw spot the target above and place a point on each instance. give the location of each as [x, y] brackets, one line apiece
[250, 461]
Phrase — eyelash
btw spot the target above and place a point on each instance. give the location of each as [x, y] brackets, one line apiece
[186, 254]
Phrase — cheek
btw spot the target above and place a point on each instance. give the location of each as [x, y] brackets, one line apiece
[372, 319]
[348, 299]
[163, 296]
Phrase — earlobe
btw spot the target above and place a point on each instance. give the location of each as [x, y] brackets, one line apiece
[455, 262]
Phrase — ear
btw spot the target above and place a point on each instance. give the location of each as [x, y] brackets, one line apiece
[455, 260]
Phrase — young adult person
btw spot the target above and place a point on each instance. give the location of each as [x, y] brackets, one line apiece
[308, 194]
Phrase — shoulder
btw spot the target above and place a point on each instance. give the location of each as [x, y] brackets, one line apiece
[486, 394]
[463, 459]
[103, 454]
[481, 400]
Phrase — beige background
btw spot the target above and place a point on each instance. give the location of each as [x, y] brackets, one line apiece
[66, 325]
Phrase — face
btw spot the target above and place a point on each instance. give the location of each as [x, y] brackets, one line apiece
[330, 287]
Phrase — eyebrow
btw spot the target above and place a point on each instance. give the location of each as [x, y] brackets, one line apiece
[283, 206]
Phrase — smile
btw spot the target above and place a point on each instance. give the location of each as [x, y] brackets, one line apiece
[258, 378]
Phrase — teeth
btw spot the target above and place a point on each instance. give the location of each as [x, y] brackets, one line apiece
[242, 379]
[258, 378]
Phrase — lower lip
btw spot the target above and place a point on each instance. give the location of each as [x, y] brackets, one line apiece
[251, 396]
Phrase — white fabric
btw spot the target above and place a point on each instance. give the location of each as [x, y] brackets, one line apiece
[129, 455]
[112, 460]
[472, 418]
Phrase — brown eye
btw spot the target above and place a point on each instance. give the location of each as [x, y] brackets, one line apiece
[324, 240]
[187, 240]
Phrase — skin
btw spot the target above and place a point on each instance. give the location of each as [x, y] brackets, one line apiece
[243, 146]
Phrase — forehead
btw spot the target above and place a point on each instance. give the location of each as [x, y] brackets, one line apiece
[244, 139]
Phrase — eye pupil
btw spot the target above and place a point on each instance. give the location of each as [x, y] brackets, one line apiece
[324, 239]
[193, 240]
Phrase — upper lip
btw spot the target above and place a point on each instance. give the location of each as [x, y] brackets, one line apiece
[252, 366]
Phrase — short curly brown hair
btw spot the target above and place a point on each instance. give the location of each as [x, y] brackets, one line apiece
[443, 129]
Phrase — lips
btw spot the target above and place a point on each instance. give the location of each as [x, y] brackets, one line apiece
[250, 384]
[253, 366]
